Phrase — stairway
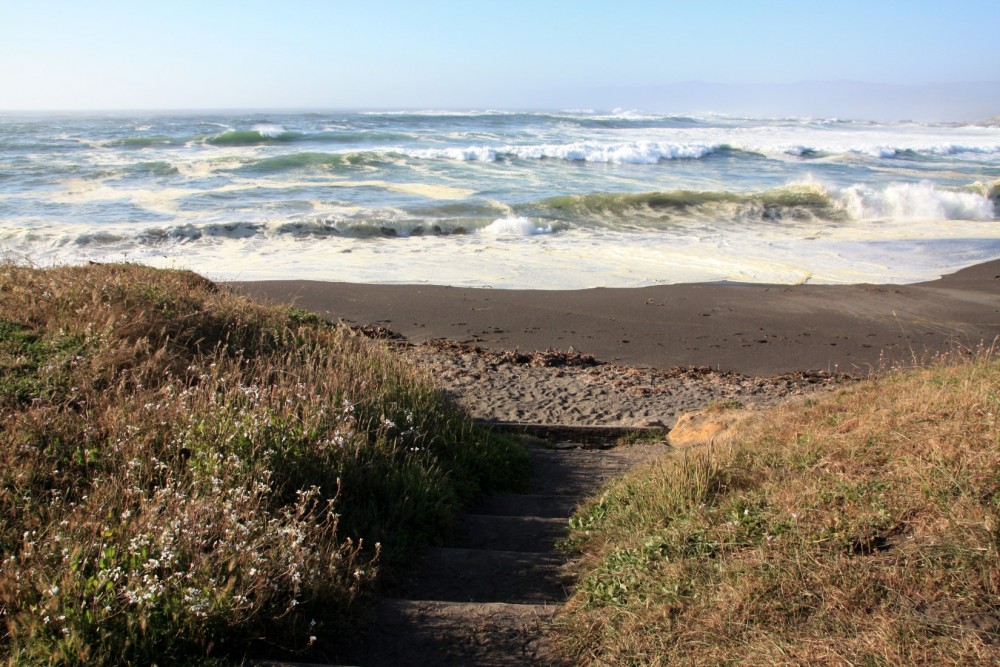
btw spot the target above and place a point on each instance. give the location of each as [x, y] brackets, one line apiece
[486, 597]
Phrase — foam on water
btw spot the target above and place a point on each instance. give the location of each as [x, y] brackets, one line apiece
[514, 227]
[640, 152]
[577, 260]
[548, 199]
[428, 190]
[914, 201]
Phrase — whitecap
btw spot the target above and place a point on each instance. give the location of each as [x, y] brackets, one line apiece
[513, 227]
[271, 130]
[635, 152]
[914, 201]
[465, 154]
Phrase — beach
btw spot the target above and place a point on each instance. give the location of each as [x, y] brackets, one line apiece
[751, 247]
[645, 355]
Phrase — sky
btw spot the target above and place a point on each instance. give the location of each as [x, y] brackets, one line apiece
[210, 54]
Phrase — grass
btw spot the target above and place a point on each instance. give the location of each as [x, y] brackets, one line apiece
[187, 477]
[858, 529]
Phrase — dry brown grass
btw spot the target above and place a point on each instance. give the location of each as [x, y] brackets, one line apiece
[187, 476]
[860, 529]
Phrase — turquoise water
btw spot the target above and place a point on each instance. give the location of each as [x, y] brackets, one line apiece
[536, 200]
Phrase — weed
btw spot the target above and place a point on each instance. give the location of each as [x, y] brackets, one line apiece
[188, 477]
[860, 528]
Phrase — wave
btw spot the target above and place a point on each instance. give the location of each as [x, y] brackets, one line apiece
[652, 152]
[267, 135]
[796, 201]
[314, 160]
[144, 141]
[636, 152]
[799, 201]
[192, 232]
[516, 226]
[98, 238]
[617, 119]
[645, 212]
[372, 228]
[915, 201]
[622, 152]
[631, 120]
[990, 191]
[882, 151]
[511, 226]
[304, 229]
[254, 137]
[259, 136]
[318, 228]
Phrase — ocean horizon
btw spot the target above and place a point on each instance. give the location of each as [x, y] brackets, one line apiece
[503, 199]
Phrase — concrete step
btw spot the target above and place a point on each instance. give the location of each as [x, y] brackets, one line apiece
[559, 476]
[508, 533]
[425, 633]
[529, 504]
[480, 575]
[487, 597]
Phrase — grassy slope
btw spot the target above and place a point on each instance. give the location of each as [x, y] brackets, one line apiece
[860, 529]
[184, 474]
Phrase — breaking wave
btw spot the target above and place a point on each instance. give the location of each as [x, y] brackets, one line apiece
[314, 160]
[365, 228]
[795, 203]
[255, 137]
[191, 232]
[515, 227]
[637, 152]
[373, 228]
[915, 201]
[144, 141]
[897, 201]
[265, 135]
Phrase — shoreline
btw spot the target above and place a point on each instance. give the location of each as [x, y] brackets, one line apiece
[752, 329]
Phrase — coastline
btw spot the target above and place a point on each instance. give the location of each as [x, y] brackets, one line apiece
[752, 329]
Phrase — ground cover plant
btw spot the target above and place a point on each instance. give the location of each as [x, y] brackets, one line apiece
[858, 529]
[186, 476]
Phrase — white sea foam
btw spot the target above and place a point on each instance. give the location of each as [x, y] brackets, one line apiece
[913, 201]
[506, 198]
[514, 227]
[801, 137]
[269, 129]
[634, 152]
[687, 143]
[639, 152]
[465, 154]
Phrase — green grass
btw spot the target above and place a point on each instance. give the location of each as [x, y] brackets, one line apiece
[188, 477]
[858, 529]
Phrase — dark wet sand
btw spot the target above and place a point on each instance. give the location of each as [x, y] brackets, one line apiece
[747, 328]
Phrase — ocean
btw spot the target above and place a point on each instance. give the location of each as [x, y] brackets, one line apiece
[547, 200]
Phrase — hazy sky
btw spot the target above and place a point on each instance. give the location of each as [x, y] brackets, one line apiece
[106, 54]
